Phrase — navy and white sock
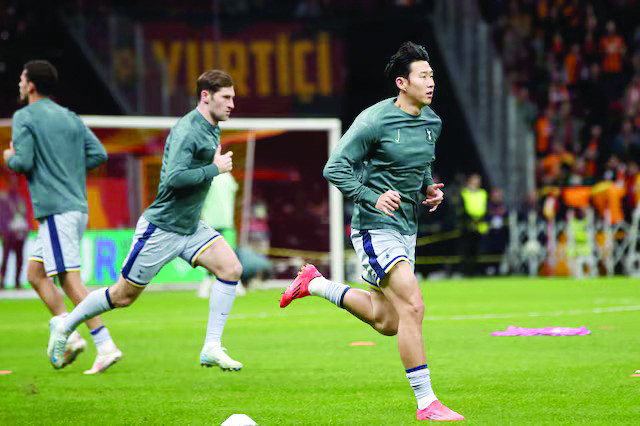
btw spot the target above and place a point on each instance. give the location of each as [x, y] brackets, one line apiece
[101, 337]
[223, 293]
[420, 380]
[95, 303]
[331, 291]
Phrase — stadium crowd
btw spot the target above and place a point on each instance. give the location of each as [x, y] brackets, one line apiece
[574, 67]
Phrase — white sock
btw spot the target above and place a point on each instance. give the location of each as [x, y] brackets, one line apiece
[101, 337]
[94, 304]
[420, 380]
[333, 292]
[223, 293]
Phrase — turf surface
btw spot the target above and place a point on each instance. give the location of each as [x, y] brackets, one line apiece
[301, 369]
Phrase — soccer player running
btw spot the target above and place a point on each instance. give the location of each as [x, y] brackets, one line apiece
[54, 149]
[383, 163]
[171, 227]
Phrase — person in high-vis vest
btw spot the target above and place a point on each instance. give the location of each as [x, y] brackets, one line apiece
[474, 200]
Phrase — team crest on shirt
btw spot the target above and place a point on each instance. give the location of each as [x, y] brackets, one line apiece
[429, 133]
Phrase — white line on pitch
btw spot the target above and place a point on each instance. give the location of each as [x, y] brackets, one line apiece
[559, 313]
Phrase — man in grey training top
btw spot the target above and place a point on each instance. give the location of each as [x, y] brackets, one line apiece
[54, 149]
[171, 225]
[383, 163]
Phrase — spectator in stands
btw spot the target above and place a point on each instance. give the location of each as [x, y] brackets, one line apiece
[566, 129]
[632, 100]
[591, 150]
[590, 47]
[474, 199]
[557, 158]
[608, 195]
[544, 131]
[527, 109]
[626, 144]
[613, 49]
[558, 92]
[498, 236]
[579, 174]
[538, 46]
[557, 45]
[573, 64]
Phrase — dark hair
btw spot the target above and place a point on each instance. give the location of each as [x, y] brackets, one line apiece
[212, 81]
[43, 75]
[400, 63]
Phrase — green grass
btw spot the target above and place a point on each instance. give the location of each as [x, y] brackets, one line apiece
[300, 369]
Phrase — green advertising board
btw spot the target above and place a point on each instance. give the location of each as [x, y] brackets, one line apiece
[103, 254]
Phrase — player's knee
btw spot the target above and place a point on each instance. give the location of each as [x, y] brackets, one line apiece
[237, 270]
[122, 301]
[34, 277]
[121, 295]
[415, 309]
[231, 272]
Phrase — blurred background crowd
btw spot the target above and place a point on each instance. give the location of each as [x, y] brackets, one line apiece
[574, 67]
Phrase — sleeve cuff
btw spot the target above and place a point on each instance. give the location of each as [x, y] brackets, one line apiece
[211, 171]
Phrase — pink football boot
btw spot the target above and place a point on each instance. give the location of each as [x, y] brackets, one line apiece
[300, 286]
[437, 412]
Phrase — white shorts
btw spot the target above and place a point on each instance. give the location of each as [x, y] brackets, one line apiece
[152, 248]
[380, 250]
[58, 242]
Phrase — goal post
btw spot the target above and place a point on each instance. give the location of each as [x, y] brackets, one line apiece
[332, 127]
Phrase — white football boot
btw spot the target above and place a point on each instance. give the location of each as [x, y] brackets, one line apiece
[75, 346]
[57, 346]
[213, 354]
[108, 354]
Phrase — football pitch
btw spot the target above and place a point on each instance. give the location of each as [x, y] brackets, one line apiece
[300, 367]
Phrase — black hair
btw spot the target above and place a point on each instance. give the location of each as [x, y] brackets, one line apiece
[400, 63]
[212, 81]
[43, 75]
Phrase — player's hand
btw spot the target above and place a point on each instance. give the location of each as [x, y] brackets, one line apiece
[9, 152]
[223, 161]
[388, 202]
[434, 196]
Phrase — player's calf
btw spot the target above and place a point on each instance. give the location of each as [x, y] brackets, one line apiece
[385, 326]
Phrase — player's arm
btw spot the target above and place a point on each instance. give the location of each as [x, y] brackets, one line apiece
[179, 175]
[352, 150]
[94, 151]
[20, 155]
[431, 189]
